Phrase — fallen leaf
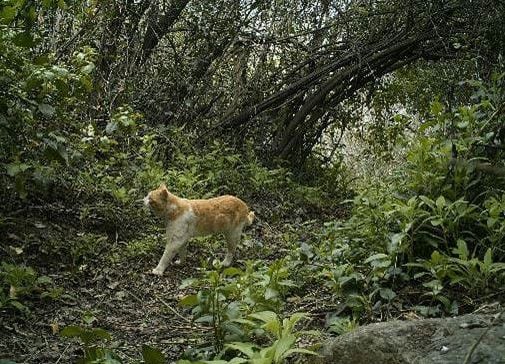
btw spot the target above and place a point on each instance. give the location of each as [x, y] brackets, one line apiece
[16, 249]
[13, 293]
[55, 328]
[113, 285]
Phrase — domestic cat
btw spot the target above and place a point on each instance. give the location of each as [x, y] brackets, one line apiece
[187, 218]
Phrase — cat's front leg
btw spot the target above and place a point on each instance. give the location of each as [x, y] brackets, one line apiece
[174, 244]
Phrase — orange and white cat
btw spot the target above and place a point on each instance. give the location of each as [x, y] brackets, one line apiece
[188, 218]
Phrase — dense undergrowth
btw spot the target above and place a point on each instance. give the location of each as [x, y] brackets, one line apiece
[428, 237]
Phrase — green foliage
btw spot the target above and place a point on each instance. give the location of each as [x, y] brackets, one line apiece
[282, 335]
[94, 342]
[19, 283]
[437, 219]
[227, 299]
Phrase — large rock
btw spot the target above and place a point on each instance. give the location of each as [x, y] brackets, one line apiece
[423, 342]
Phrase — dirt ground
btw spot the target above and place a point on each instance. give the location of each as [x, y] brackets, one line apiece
[135, 307]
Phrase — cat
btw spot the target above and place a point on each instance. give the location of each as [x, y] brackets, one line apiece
[187, 218]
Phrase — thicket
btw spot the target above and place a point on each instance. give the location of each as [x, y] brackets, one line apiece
[423, 195]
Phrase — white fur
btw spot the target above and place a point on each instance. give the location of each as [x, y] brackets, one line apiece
[179, 232]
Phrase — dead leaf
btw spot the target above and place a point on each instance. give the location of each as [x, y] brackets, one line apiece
[55, 328]
[113, 285]
[16, 250]
[13, 293]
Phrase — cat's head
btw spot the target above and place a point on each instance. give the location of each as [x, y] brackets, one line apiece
[157, 200]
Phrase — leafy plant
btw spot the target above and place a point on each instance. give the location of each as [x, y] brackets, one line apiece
[18, 283]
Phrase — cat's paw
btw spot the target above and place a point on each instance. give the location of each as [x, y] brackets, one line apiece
[157, 272]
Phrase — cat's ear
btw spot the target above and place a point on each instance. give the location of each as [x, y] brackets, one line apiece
[164, 189]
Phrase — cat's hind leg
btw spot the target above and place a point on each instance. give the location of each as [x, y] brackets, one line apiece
[232, 240]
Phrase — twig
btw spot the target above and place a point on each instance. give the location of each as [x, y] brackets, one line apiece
[474, 346]
[63, 353]
[134, 296]
[172, 309]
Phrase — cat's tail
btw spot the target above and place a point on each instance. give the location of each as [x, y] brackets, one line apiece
[250, 218]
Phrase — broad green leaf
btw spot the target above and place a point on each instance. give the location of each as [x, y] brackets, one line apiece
[246, 348]
[387, 293]
[274, 327]
[261, 361]
[265, 316]
[462, 249]
[440, 202]
[7, 14]
[14, 169]
[44, 280]
[189, 300]
[152, 355]
[71, 331]
[282, 345]
[376, 257]
[205, 319]
[289, 323]
[47, 110]
[245, 322]
[101, 333]
[18, 305]
[232, 271]
[488, 258]
[271, 293]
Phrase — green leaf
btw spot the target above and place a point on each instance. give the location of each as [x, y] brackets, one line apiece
[232, 271]
[47, 110]
[89, 68]
[206, 319]
[24, 40]
[188, 282]
[152, 355]
[72, 331]
[265, 316]
[488, 258]
[44, 280]
[289, 324]
[189, 301]
[18, 305]
[7, 14]
[14, 169]
[101, 333]
[246, 348]
[271, 293]
[462, 249]
[440, 202]
[245, 322]
[271, 321]
[282, 345]
[376, 257]
[387, 293]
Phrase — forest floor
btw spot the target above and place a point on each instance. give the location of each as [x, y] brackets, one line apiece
[117, 293]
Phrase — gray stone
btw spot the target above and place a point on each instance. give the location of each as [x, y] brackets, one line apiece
[428, 341]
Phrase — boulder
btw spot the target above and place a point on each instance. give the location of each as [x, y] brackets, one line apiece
[427, 341]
